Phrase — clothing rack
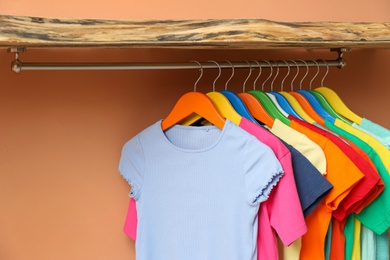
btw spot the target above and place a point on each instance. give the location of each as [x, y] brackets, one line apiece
[18, 65]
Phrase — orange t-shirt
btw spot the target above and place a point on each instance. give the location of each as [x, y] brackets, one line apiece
[343, 174]
[337, 250]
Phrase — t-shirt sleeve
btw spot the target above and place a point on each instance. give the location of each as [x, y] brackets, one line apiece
[262, 171]
[345, 176]
[285, 202]
[312, 186]
[131, 165]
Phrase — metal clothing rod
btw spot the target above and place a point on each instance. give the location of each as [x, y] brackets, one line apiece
[18, 66]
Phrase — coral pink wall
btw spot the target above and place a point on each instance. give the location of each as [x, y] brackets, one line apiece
[61, 132]
[301, 10]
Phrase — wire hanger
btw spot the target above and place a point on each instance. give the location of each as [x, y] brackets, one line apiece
[338, 105]
[324, 103]
[267, 103]
[272, 97]
[194, 102]
[253, 104]
[221, 101]
[295, 104]
[305, 104]
[237, 103]
[310, 102]
[282, 101]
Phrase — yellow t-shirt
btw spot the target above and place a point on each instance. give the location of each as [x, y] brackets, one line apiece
[356, 240]
[302, 143]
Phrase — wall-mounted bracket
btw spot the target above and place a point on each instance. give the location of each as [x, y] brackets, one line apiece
[16, 64]
[341, 51]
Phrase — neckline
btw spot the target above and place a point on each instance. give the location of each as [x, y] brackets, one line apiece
[195, 128]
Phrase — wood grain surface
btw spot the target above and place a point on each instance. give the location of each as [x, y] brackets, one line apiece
[230, 34]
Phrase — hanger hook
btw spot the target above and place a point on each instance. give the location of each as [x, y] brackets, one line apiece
[258, 76]
[249, 75]
[231, 76]
[288, 73]
[201, 73]
[326, 74]
[270, 75]
[219, 74]
[307, 72]
[318, 70]
[276, 75]
[296, 74]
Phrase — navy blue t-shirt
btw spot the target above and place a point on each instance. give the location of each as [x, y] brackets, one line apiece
[312, 186]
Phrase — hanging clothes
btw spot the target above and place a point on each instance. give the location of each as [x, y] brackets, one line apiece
[302, 183]
[321, 189]
[361, 194]
[371, 215]
[313, 242]
[290, 189]
[366, 190]
[314, 154]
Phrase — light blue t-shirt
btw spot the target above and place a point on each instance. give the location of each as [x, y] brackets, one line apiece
[198, 191]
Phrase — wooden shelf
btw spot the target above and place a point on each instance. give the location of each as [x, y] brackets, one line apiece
[37, 32]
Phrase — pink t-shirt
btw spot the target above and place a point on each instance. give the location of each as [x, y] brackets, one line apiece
[130, 227]
[281, 213]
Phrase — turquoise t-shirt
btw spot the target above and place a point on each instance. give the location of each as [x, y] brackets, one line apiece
[368, 243]
[198, 190]
[382, 246]
[385, 140]
[374, 128]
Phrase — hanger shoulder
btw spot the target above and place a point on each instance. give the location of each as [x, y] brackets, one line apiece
[193, 102]
[328, 108]
[269, 106]
[276, 103]
[338, 105]
[297, 107]
[225, 107]
[307, 106]
[282, 101]
[256, 109]
[238, 105]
